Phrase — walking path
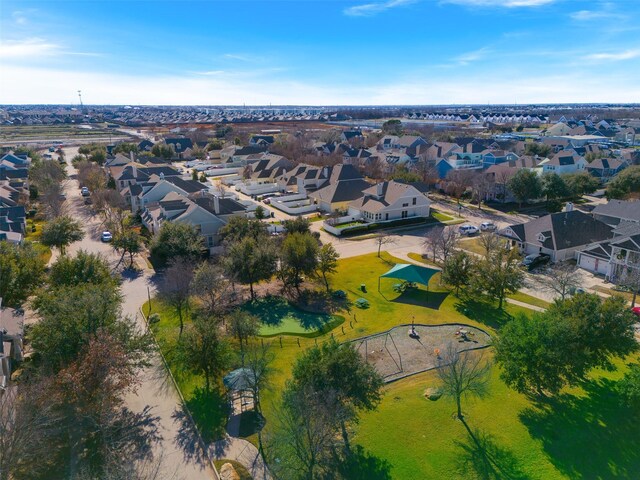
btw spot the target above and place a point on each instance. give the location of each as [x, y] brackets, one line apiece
[156, 389]
[242, 451]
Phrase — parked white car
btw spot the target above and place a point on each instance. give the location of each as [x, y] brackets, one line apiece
[468, 230]
[488, 227]
[106, 237]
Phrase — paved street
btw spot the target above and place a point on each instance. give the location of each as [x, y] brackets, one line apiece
[156, 389]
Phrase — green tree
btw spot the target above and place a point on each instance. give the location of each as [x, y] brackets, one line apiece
[339, 376]
[392, 127]
[201, 350]
[298, 257]
[71, 315]
[176, 239]
[215, 145]
[21, 272]
[237, 228]
[403, 174]
[624, 184]
[530, 353]
[260, 212]
[597, 330]
[498, 275]
[525, 185]
[540, 149]
[83, 268]
[462, 375]
[61, 232]
[162, 150]
[125, 148]
[327, 262]
[457, 270]
[243, 325]
[129, 242]
[554, 187]
[250, 261]
[629, 386]
[297, 225]
[581, 183]
[194, 175]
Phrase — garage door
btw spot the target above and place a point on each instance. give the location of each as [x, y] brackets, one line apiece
[593, 264]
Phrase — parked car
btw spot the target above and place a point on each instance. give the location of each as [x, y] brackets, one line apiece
[468, 230]
[106, 237]
[636, 311]
[535, 260]
[488, 227]
[84, 191]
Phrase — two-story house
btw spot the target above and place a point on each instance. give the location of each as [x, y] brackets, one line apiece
[390, 200]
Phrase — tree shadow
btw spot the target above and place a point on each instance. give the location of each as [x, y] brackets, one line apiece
[422, 298]
[274, 311]
[481, 457]
[210, 411]
[363, 465]
[482, 311]
[251, 422]
[588, 436]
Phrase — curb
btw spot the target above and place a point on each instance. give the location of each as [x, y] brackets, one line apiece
[203, 445]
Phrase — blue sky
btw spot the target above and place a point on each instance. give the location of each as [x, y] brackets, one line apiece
[309, 52]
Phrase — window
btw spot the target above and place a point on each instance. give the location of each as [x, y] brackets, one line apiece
[405, 214]
[405, 204]
[415, 200]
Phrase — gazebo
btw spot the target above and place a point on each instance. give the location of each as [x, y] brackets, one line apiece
[410, 273]
[240, 388]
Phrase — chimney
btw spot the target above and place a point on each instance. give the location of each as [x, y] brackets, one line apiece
[568, 207]
[132, 157]
[325, 172]
[380, 189]
[161, 176]
[216, 204]
[134, 170]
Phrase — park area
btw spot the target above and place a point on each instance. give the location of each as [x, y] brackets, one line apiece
[581, 433]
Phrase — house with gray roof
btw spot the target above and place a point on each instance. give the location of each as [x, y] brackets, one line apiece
[615, 212]
[344, 185]
[559, 235]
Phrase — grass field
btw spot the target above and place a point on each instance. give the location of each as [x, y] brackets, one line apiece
[581, 434]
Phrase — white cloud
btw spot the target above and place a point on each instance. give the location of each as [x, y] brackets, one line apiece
[31, 47]
[614, 56]
[370, 9]
[22, 84]
[35, 48]
[469, 57]
[501, 3]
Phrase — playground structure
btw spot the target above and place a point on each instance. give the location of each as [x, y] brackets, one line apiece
[397, 353]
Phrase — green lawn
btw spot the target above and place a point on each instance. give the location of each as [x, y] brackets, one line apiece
[523, 297]
[581, 434]
[279, 317]
[440, 216]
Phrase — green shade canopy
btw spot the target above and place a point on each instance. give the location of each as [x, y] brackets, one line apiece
[411, 273]
[239, 379]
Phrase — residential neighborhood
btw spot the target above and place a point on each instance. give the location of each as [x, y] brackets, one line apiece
[358, 240]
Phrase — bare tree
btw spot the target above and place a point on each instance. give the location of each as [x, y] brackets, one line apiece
[176, 287]
[562, 279]
[457, 182]
[54, 200]
[383, 239]
[631, 279]
[481, 184]
[213, 291]
[26, 421]
[463, 374]
[490, 242]
[502, 179]
[441, 242]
